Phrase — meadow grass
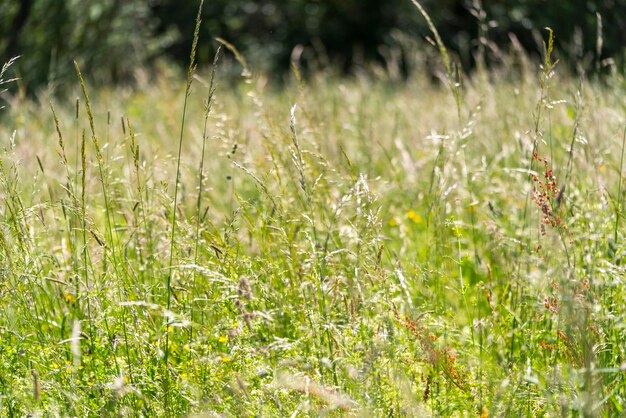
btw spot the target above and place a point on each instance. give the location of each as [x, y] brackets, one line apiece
[341, 246]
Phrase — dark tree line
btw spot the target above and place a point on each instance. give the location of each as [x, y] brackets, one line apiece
[111, 38]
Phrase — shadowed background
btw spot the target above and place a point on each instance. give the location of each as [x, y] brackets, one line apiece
[112, 38]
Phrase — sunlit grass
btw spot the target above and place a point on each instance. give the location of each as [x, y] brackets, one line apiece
[357, 245]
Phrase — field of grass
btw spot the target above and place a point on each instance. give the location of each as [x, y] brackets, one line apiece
[342, 247]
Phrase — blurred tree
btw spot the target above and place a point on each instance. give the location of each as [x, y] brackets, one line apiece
[111, 38]
[575, 24]
[267, 31]
[349, 31]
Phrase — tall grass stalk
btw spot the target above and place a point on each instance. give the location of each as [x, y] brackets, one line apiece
[170, 272]
[83, 230]
[620, 194]
[207, 112]
[111, 243]
[452, 71]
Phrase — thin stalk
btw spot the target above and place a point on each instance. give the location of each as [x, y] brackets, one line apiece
[83, 216]
[107, 207]
[457, 233]
[101, 170]
[134, 151]
[208, 105]
[545, 75]
[190, 71]
[72, 233]
[452, 73]
[618, 211]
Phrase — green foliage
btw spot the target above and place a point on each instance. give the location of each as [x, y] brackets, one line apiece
[110, 38]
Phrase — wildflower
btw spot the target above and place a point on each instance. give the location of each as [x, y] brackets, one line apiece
[551, 305]
[393, 222]
[586, 284]
[225, 359]
[223, 339]
[547, 196]
[414, 217]
[70, 299]
[456, 229]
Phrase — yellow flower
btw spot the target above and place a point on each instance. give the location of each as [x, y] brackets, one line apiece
[225, 359]
[393, 222]
[416, 218]
[223, 339]
[70, 299]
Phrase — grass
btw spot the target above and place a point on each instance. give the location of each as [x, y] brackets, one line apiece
[351, 246]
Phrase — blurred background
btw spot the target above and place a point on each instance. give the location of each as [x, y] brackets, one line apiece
[111, 39]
